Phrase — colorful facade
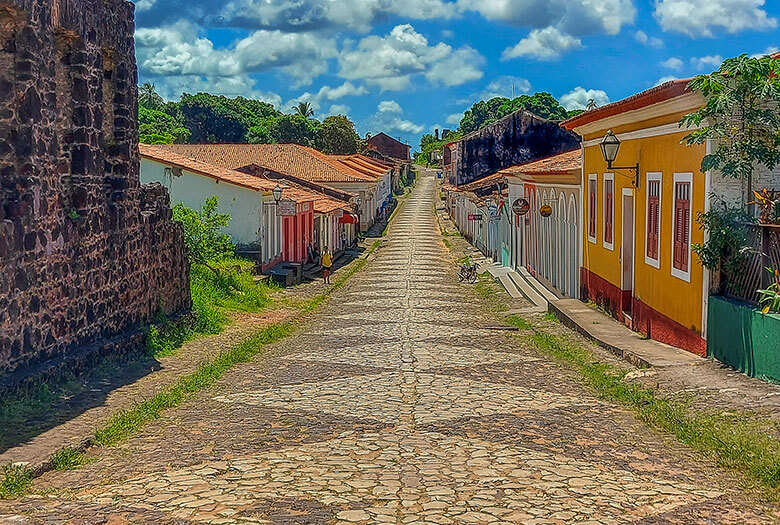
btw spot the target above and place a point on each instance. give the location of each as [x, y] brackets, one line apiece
[637, 260]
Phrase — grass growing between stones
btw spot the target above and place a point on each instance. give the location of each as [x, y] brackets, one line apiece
[127, 422]
[488, 289]
[736, 441]
[69, 458]
[15, 481]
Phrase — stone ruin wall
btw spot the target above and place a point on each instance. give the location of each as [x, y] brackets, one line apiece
[518, 138]
[86, 253]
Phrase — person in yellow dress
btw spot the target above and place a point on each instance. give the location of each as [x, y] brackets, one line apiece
[327, 263]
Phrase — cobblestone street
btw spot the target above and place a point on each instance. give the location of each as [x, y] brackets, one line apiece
[395, 403]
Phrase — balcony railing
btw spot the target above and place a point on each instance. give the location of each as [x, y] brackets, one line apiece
[764, 239]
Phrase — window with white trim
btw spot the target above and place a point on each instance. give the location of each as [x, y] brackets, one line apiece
[609, 211]
[653, 219]
[592, 206]
[681, 226]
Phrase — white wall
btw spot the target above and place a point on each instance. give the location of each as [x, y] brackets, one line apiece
[734, 191]
[251, 223]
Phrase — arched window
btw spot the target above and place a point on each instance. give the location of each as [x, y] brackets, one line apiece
[574, 243]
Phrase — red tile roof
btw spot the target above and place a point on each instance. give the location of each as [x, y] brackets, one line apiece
[484, 182]
[202, 168]
[654, 95]
[293, 159]
[555, 164]
[363, 164]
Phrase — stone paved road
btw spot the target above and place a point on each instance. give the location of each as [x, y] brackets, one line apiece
[394, 405]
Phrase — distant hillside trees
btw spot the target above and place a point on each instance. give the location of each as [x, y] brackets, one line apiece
[206, 118]
[484, 112]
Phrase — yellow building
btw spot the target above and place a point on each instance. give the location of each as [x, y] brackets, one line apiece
[639, 223]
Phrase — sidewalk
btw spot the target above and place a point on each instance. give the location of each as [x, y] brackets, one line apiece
[674, 373]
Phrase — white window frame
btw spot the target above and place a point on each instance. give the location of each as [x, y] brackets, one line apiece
[595, 178]
[682, 177]
[608, 245]
[649, 177]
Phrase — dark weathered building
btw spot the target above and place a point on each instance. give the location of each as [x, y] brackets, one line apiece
[518, 138]
[87, 254]
[389, 147]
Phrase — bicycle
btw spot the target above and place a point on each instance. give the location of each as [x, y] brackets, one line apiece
[467, 273]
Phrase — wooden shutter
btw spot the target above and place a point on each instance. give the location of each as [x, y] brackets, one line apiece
[653, 216]
[592, 208]
[608, 210]
[682, 234]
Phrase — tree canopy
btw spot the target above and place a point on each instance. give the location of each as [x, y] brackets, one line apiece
[207, 118]
[740, 115]
[485, 112]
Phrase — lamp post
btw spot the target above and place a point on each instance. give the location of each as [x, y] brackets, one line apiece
[277, 192]
[610, 145]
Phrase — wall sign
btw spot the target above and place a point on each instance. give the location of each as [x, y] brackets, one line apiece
[286, 208]
[546, 210]
[521, 207]
[475, 217]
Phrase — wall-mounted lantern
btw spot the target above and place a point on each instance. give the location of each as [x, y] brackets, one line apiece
[610, 146]
[277, 191]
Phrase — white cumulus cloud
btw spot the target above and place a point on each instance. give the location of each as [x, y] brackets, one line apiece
[673, 63]
[389, 117]
[711, 62]
[579, 97]
[543, 44]
[703, 17]
[643, 38]
[392, 61]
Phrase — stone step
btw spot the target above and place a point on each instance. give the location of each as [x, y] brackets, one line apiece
[528, 290]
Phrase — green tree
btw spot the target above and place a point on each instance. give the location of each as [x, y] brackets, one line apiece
[740, 115]
[206, 243]
[157, 127]
[303, 109]
[337, 136]
[149, 98]
[294, 129]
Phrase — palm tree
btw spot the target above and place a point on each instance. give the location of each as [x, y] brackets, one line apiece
[303, 109]
[148, 97]
[591, 105]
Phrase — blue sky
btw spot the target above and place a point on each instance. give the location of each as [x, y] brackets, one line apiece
[408, 66]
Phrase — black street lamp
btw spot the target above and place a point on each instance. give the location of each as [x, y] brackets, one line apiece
[610, 145]
[278, 193]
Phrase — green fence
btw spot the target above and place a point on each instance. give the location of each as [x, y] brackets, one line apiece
[744, 338]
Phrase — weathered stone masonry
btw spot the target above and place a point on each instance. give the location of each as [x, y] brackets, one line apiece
[86, 253]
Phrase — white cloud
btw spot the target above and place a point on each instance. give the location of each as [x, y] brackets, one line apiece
[579, 97]
[313, 15]
[710, 62]
[643, 38]
[447, 34]
[327, 93]
[702, 17]
[454, 118]
[576, 17]
[664, 80]
[178, 50]
[673, 63]
[391, 61]
[389, 106]
[502, 87]
[543, 44]
[771, 50]
[338, 109]
[389, 117]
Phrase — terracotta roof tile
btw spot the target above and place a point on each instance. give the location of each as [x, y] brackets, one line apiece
[484, 182]
[555, 164]
[292, 159]
[196, 166]
[363, 164]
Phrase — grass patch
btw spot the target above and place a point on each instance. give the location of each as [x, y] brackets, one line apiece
[68, 458]
[447, 243]
[550, 317]
[735, 440]
[488, 289]
[15, 481]
[213, 295]
[127, 422]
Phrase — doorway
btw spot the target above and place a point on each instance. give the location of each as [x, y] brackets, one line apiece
[627, 249]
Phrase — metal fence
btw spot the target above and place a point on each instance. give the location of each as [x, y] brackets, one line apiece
[744, 284]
